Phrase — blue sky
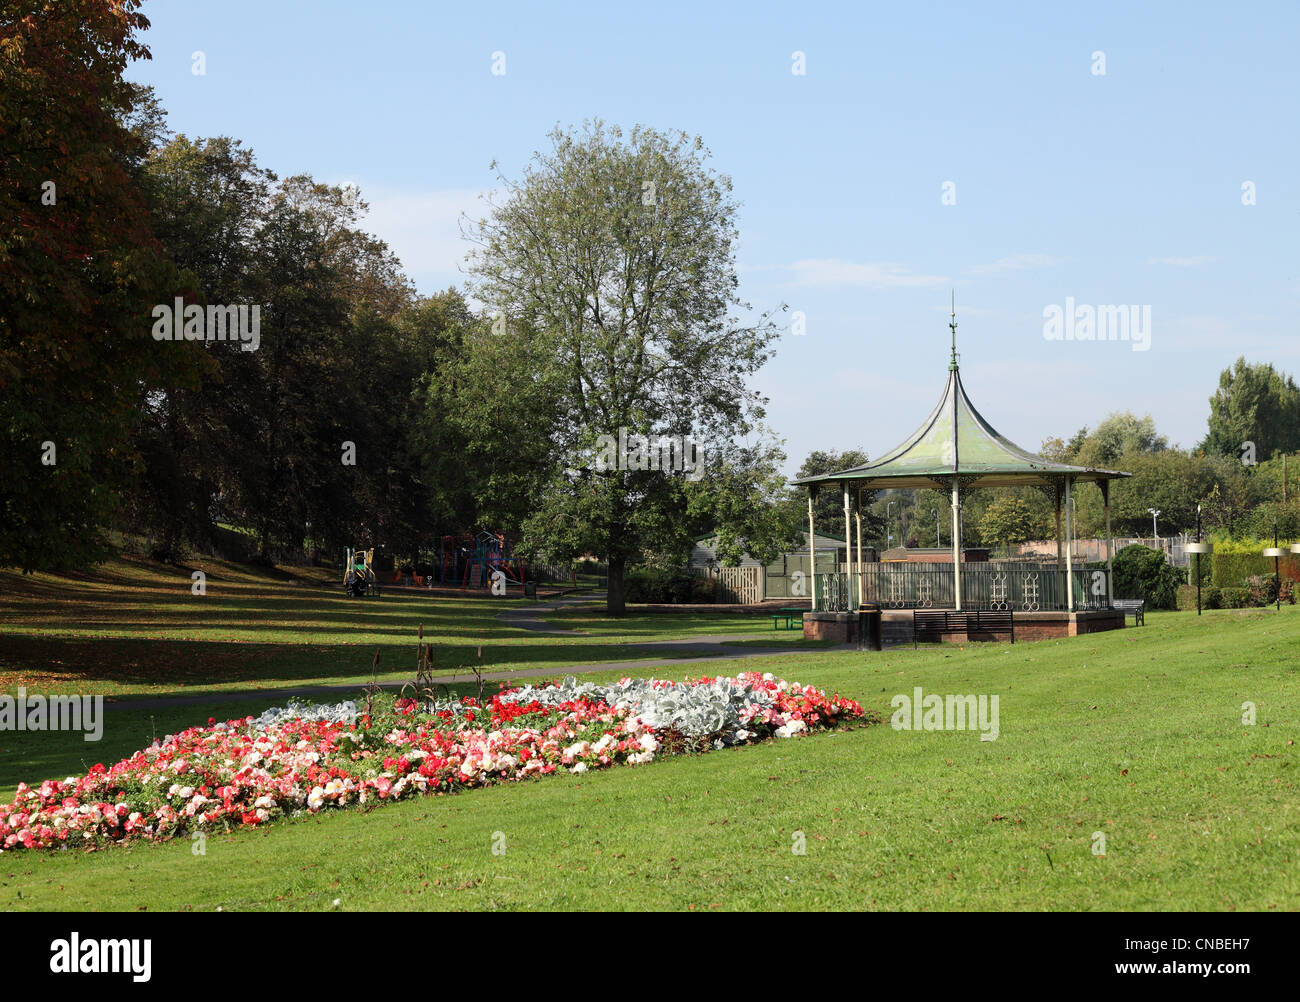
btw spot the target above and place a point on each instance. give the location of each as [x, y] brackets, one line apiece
[1120, 188]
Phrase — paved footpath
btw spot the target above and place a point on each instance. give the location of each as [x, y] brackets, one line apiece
[528, 618]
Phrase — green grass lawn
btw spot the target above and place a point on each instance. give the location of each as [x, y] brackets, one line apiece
[1137, 734]
[133, 628]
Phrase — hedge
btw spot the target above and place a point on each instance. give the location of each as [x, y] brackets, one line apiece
[652, 584]
[1258, 593]
[1232, 569]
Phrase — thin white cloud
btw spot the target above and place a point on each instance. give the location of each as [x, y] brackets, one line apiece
[423, 229]
[1017, 262]
[1182, 262]
[833, 271]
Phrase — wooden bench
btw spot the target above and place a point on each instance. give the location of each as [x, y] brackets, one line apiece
[1136, 607]
[789, 615]
[897, 631]
[934, 624]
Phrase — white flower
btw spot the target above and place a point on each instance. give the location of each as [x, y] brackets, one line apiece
[315, 798]
[649, 742]
[580, 767]
[743, 735]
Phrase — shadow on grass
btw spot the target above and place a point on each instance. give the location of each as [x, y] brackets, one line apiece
[122, 666]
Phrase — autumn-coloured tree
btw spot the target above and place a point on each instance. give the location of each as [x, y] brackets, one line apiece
[79, 273]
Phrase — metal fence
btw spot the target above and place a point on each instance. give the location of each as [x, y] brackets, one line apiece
[1006, 585]
[1173, 547]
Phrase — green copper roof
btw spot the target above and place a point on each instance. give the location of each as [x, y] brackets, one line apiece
[956, 440]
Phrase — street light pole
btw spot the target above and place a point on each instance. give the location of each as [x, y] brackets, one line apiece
[1198, 548]
[1277, 580]
[1275, 552]
[889, 535]
[935, 513]
[1198, 561]
[1155, 532]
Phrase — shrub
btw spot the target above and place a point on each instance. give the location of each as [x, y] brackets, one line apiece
[1141, 572]
[1262, 590]
[1210, 598]
[1235, 598]
[656, 584]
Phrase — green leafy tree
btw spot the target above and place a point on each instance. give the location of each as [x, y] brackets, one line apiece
[620, 253]
[80, 270]
[1257, 404]
[1011, 520]
[743, 501]
[1121, 434]
[207, 199]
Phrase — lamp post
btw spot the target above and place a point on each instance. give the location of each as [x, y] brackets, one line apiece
[935, 513]
[889, 535]
[1198, 548]
[1155, 514]
[1275, 552]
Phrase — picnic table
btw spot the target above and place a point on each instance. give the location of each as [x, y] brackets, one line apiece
[789, 615]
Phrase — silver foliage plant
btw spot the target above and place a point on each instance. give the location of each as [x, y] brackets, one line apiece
[345, 712]
[697, 711]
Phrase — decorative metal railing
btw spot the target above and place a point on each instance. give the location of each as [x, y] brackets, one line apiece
[1005, 585]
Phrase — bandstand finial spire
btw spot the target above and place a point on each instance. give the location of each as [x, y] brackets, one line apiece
[952, 325]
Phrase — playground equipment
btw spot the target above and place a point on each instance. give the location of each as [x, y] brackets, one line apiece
[472, 561]
[359, 573]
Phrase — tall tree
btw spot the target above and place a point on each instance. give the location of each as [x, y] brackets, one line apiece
[621, 252]
[79, 273]
[1011, 520]
[1120, 434]
[207, 198]
[1254, 404]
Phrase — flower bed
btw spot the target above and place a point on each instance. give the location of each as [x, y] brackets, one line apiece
[305, 759]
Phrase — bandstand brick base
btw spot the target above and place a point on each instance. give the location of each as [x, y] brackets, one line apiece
[842, 627]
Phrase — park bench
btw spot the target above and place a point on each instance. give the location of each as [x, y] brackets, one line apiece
[1135, 607]
[934, 624]
[898, 630]
[789, 615]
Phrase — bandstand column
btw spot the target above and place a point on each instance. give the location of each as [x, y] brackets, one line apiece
[848, 544]
[812, 551]
[1056, 501]
[956, 544]
[857, 513]
[1069, 549]
[1110, 545]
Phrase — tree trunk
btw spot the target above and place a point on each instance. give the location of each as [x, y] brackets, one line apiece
[615, 604]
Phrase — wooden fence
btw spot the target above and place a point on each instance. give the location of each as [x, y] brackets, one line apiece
[739, 585]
